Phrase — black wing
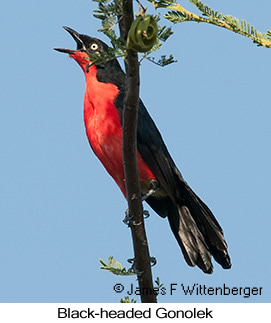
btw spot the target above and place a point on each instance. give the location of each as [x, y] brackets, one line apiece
[193, 224]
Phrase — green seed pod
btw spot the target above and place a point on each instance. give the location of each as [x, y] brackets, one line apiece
[142, 34]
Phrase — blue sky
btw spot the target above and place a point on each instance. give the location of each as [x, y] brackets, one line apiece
[60, 211]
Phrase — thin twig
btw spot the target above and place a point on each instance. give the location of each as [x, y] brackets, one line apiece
[217, 22]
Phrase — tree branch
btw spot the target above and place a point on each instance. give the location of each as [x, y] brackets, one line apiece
[129, 142]
[229, 22]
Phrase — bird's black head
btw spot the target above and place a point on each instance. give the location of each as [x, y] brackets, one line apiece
[88, 47]
[84, 43]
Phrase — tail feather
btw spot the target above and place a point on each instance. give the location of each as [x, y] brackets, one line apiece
[190, 239]
[194, 226]
[209, 227]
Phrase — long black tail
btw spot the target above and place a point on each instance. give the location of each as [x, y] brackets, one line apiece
[195, 228]
[197, 231]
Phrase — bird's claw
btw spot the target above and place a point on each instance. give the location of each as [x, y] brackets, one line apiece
[127, 218]
[133, 269]
[154, 187]
[146, 214]
[153, 261]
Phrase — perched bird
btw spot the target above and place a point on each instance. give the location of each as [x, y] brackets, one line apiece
[194, 226]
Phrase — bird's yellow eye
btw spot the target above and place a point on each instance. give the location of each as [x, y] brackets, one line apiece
[94, 46]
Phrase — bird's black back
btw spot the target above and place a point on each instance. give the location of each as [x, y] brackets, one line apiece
[192, 222]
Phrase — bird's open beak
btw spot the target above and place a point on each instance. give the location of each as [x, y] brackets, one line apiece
[65, 50]
[80, 45]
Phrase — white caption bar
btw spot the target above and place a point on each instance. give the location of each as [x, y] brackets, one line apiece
[85, 312]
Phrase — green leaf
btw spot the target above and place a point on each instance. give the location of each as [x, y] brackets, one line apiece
[115, 267]
[109, 12]
[127, 300]
[178, 14]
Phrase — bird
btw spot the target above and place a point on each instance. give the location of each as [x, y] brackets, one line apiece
[193, 224]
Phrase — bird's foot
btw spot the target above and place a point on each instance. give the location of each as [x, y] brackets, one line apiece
[133, 269]
[128, 218]
[153, 261]
[146, 214]
[153, 189]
